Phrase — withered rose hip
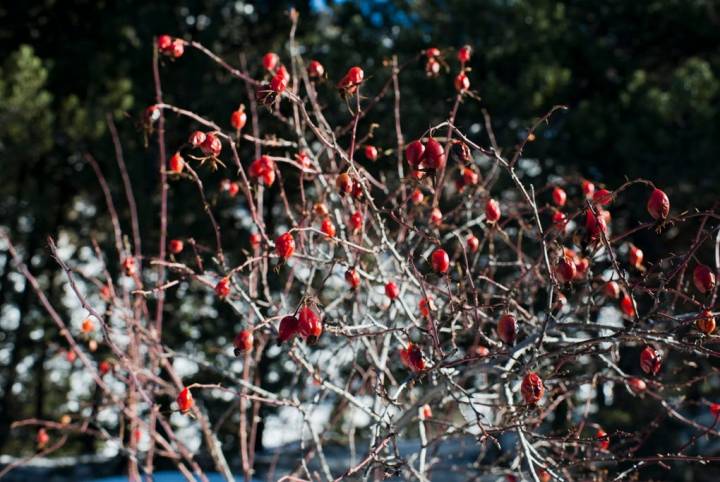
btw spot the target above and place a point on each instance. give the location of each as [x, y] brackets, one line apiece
[285, 245]
[565, 270]
[289, 326]
[309, 325]
[650, 361]
[532, 388]
[243, 342]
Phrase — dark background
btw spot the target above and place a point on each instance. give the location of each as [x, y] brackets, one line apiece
[641, 79]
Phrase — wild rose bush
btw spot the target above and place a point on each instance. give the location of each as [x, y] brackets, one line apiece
[422, 290]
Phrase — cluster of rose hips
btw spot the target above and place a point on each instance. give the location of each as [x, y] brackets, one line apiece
[172, 47]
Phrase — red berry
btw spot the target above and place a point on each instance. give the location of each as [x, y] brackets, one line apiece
[462, 82]
[594, 225]
[492, 211]
[129, 266]
[279, 82]
[434, 156]
[470, 177]
[197, 138]
[658, 204]
[481, 351]
[185, 400]
[344, 183]
[425, 412]
[87, 326]
[703, 278]
[233, 189]
[222, 288]
[432, 67]
[559, 220]
[353, 278]
[706, 322]
[603, 439]
[414, 153]
[559, 196]
[436, 217]
[255, 239]
[507, 328]
[356, 221]
[243, 342]
[440, 261]
[371, 153]
[270, 60]
[104, 367]
[715, 409]
[473, 243]
[328, 228]
[105, 292]
[212, 145]
[602, 197]
[175, 246]
[42, 438]
[432, 52]
[285, 245]
[263, 169]
[627, 307]
[391, 290]
[309, 324]
[532, 388]
[176, 163]
[464, 53]
[635, 256]
[637, 385]
[565, 270]
[178, 48]
[612, 289]
[164, 42]
[321, 209]
[238, 118]
[352, 79]
[289, 326]
[581, 267]
[70, 356]
[425, 306]
[544, 475]
[588, 189]
[412, 357]
[315, 69]
[650, 361]
[417, 197]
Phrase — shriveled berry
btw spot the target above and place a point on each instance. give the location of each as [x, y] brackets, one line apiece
[565, 270]
[532, 388]
[328, 228]
[344, 183]
[243, 342]
[650, 361]
[285, 245]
